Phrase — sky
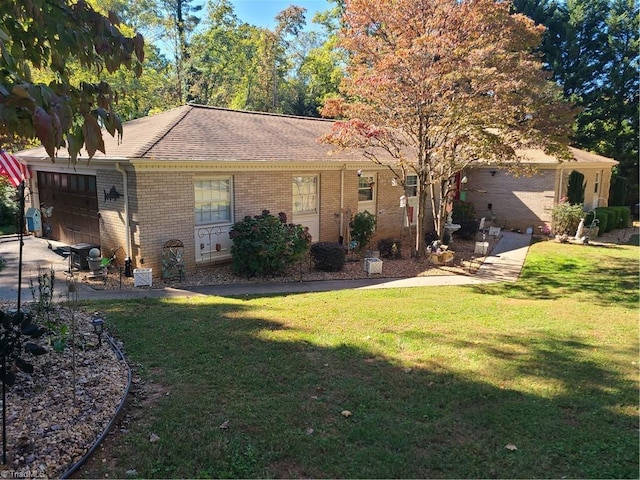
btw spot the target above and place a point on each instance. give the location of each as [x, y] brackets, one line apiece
[261, 13]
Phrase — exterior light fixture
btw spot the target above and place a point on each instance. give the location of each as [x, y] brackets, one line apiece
[98, 328]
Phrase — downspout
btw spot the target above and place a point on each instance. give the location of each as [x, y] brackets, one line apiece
[127, 226]
[342, 203]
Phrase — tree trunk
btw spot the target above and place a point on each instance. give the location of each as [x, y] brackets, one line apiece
[421, 221]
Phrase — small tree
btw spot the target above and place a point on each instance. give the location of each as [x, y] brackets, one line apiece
[575, 188]
[15, 330]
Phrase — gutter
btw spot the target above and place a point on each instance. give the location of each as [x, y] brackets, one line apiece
[127, 225]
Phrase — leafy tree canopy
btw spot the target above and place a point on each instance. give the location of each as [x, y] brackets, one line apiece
[51, 34]
[435, 85]
[593, 49]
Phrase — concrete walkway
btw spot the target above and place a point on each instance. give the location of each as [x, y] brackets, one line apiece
[503, 265]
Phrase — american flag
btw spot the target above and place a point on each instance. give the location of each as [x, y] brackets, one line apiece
[11, 167]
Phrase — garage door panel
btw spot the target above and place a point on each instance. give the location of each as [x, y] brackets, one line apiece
[74, 217]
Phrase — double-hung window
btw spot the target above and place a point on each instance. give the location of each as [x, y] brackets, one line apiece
[411, 186]
[366, 188]
[213, 201]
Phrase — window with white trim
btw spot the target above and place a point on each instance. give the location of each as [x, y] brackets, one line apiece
[411, 185]
[596, 184]
[366, 188]
[212, 200]
[305, 195]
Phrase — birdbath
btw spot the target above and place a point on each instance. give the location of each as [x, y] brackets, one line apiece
[452, 227]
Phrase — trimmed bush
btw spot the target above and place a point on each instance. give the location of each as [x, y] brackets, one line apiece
[615, 220]
[328, 256]
[605, 218]
[594, 216]
[624, 215]
[575, 188]
[267, 245]
[618, 191]
[389, 248]
[566, 218]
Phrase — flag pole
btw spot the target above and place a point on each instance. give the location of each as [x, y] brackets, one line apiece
[21, 190]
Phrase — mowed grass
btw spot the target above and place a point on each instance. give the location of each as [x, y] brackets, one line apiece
[536, 379]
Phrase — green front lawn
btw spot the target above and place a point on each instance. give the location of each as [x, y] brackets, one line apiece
[537, 379]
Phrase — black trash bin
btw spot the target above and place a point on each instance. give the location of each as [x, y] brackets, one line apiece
[79, 253]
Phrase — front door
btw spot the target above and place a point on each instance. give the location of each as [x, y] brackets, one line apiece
[306, 211]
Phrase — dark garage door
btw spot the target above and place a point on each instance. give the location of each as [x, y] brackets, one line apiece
[74, 216]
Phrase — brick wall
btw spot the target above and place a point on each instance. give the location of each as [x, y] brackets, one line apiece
[516, 202]
[162, 204]
[161, 210]
[112, 225]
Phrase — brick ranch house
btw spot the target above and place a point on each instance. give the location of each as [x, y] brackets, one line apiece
[191, 172]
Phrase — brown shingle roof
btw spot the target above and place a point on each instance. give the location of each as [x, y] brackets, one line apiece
[201, 133]
[206, 133]
[581, 156]
[194, 132]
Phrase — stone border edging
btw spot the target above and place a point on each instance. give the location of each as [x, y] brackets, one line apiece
[74, 468]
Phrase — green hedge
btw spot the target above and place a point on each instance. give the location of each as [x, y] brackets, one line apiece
[610, 218]
[613, 218]
[600, 215]
[624, 215]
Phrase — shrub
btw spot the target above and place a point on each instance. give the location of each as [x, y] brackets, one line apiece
[430, 237]
[565, 218]
[598, 219]
[267, 245]
[464, 214]
[625, 216]
[463, 211]
[9, 208]
[362, 226]
[612, 219]
[618, 191]
[328, 256]
[615, 218]
[468, 228]
[389, 248]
